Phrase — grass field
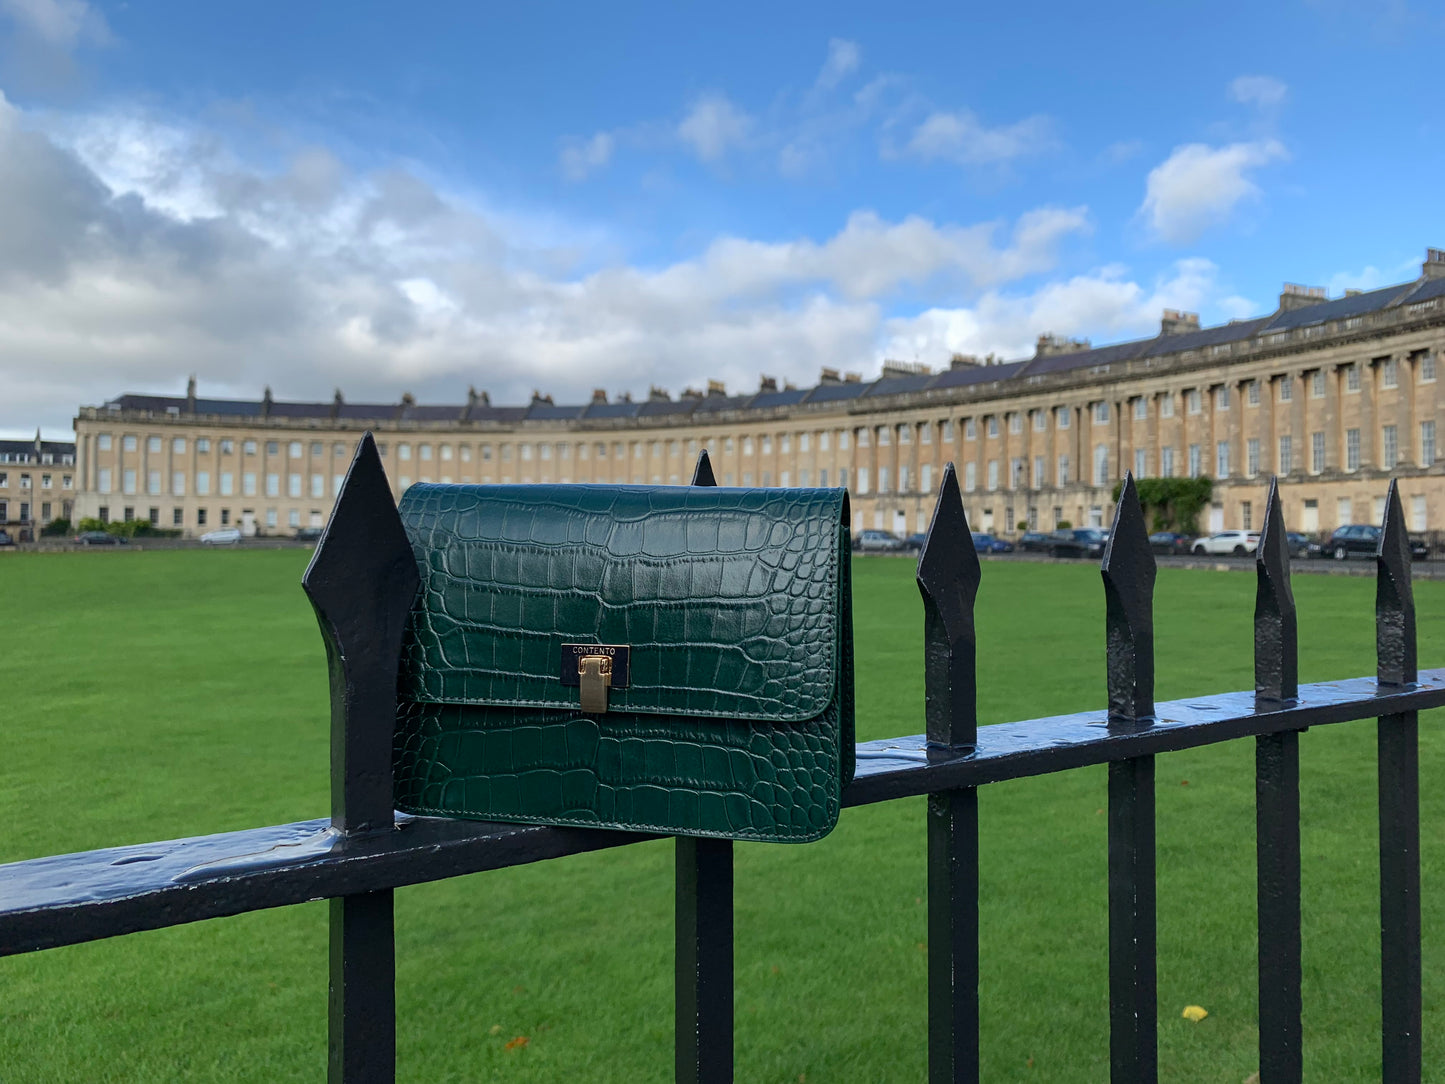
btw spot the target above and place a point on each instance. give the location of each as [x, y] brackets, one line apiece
[155, 695]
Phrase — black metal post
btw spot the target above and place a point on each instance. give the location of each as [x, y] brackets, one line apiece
[948, 578]
[1128, 571]
[1399, 774]
[703, 1008]
[1277, 809]
[361, 582]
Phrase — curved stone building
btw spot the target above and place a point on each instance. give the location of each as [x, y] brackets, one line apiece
[1333, 395]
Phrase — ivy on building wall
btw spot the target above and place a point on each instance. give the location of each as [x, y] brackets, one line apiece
[1172, 504]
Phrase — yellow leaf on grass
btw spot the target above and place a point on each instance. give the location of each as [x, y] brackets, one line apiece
[519, 1041]
[1194, 1012]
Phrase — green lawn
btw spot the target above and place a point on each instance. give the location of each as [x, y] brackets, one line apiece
[154, 695]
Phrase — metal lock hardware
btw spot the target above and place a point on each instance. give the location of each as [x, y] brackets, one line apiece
[595, 676]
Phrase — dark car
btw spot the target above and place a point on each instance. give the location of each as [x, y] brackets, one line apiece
[1078, 542]
[914, 542]
[1419, 548]
[1034, 542]
[1356, 540]
[1170, 543]
[1297, 544]
[877, 542]
[987, 543]
[96, 538]
[5, 539]
[307, 534]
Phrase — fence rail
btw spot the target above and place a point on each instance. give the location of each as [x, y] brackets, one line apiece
[365, 851]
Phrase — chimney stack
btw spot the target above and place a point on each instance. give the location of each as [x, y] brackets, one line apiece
[1434, 266]
[599, 395]
[191, 395]
[829, 376]
[1051, 345]
[716, 387]
[767, 383]
[1294, 296]
[266, 402]
[1176, 322]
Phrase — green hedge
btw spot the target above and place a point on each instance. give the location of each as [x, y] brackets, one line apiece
[1172, 504]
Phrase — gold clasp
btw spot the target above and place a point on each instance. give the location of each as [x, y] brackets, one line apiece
[595, 677]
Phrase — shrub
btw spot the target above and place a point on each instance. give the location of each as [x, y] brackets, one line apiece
[1023, 525]
[1064, 525]
[1172, 504]
[56, 527]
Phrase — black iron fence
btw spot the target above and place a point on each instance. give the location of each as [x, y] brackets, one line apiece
[361, 582]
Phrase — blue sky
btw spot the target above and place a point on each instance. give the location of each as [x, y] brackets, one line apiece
[568, 197]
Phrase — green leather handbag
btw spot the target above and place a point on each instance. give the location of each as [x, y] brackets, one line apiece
[673, 659]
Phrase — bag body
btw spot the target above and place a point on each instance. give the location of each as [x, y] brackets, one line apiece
[712, 626]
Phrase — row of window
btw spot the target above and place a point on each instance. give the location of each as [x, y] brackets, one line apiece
[129, 442]
[45, 459]
[24, 507]
[47, 481]
[247, 517]
[1019, 478]
[296, 483]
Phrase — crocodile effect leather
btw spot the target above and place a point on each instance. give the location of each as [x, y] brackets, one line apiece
[738, 721]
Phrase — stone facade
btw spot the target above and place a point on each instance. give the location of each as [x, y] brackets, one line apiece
[1335, 396]
[38, 483]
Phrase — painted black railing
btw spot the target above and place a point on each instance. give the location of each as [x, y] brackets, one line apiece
[361, 582]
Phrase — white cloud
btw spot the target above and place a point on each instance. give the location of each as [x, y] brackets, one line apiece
[713, 126]
[133, 253]
[580, 159]
[63, 24]
[960, 137]
[843, 59]
[1263, 91]
[1199, 186]
[1104, 303]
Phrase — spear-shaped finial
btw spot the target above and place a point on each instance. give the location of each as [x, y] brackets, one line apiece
[948, 578]
[1394, 598]
[703, 475]
[1276, 635]
[1128, 569]
[361, 582]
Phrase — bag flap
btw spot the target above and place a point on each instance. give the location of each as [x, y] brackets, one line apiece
[727, 598]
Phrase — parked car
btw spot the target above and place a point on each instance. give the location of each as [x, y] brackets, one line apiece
[1078, 542]
[1356, 540]
[5, 539]
[222, 536]
[1419, 548]
[1170, 543]
[1298, 544]
[1034, 542]
[97, 538]
[877, 542]
[307, 534]
[987, 543]
[1236, 542]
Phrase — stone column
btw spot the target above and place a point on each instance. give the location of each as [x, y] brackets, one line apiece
[1369, 428]
[1407, 442]
[1237, 462]
[1299, 425]
[980, 458]
[1335, 419]
[1268, 450]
